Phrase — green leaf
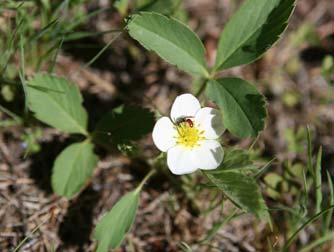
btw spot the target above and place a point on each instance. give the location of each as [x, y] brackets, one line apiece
[252, 30]
[275, 184]
[73, 167]
[171, 40]
[243, 106]
[112, 228]
[235, 159]
[55, 101]
[242, 190]
[123, 125]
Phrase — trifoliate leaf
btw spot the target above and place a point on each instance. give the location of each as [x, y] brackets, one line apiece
[251, 31]
[171, 40]
[123, 125]
[235, 159]
[241, 189]
[73, 167]
[57, 102]
[243, 106]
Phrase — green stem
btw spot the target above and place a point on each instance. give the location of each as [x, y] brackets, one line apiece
[253, 143]
[142, 183]
[201, 89]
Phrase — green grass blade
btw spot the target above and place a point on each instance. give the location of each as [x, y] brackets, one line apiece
[22, 56]
[15, 117]
[97, 55]
[43, 30]
[74, 23]
[8, 123]
[318, 242]
[318, 182]
[53, 63]
[17, 248]
[45, 56]
[270, 245]
[329, 215]
[24, 88]
[22, 75]
[304, 225]
[309, 153]
[10, 45]
[80, 35]
[304, 198]
[62, 6]
[217, 226]
[185, 247]
[264, 169]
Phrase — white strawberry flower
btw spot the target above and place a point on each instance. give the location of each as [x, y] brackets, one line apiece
[190, 136]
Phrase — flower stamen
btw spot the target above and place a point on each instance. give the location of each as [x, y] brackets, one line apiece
[188, 134]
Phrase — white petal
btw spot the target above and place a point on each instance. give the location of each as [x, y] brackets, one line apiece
[208, 155]
[185, 105]
[179, 160]
[210, 120]
[164, 134]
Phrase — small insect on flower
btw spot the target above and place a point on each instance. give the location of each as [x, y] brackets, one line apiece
[185, 120]
[190, 136]
[190, 123]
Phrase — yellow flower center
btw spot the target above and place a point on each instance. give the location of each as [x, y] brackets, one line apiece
[188, 134]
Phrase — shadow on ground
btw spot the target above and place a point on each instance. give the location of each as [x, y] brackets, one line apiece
[77, 224]
[40, 169]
